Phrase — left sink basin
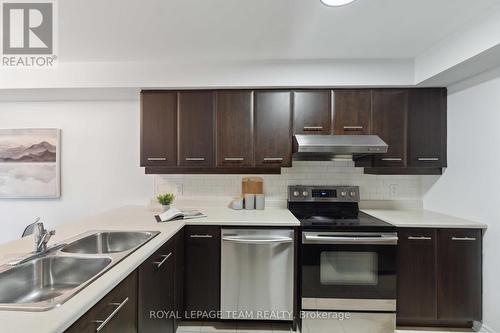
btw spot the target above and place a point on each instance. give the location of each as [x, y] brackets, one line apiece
[46, 279]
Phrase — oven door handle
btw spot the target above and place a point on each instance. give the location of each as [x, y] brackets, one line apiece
[314, 239]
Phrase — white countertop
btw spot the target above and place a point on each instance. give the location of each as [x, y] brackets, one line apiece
[142, 218]
[422, 219]
[126, 218]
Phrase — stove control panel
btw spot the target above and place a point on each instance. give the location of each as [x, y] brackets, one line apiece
[297, 193]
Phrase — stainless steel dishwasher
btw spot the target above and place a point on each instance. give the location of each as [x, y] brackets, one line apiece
[257, 274]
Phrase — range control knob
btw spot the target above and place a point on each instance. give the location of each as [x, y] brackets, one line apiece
[295, 193]
[352, 194]
[305, 193]
[343, 194]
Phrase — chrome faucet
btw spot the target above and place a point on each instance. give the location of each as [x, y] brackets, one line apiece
[42, 237]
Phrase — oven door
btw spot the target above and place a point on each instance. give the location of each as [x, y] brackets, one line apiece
[349, 271]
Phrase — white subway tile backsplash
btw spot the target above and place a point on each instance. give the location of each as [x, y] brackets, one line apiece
[372, 187]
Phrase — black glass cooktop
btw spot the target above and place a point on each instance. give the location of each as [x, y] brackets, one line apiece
[336, 216]
[361, 221]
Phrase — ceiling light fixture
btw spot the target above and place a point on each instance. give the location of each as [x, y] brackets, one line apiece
[336, 3]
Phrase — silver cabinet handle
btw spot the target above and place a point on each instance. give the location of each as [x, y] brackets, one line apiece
[273, 159]
[419, 238]
[353, 128]
[392, 159]
[195, 159]
[233, 159]
[375, 149]
[201, 236]
[256, 240]
[313, 128]
[463, 238]
[157, 158]
[103, 323]
[428, 159]
[165, 258]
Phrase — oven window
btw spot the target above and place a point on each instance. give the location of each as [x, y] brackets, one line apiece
[349, 268]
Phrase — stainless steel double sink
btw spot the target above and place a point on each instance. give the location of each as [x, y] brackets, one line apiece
[43, 282]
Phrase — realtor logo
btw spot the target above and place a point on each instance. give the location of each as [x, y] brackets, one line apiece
[28, 33]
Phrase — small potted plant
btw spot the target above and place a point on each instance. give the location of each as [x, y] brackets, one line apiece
[165, 200]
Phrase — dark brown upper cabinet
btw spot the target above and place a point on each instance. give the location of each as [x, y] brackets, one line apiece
[234, 128]
[459, 275]
[273, 128]
[417, 298]
[158, 128]
[196, 126]
[312, 112]
[427, 128]
[389, 121]
[352, 111]
[251, 131]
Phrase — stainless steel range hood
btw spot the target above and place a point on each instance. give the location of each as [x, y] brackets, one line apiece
[321, 147]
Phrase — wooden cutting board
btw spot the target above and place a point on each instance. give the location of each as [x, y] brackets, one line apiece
[252, 185]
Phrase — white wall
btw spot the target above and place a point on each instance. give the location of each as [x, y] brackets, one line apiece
[198, 74]
[469, 187]
[100, 161]
[480, 35]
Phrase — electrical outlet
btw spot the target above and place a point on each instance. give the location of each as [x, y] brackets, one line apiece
[393, 190]
[179, 189]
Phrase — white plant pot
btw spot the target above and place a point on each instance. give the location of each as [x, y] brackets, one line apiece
[165, 207]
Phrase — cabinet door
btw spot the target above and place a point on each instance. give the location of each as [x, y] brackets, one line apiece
[202, 269]
[273, 128]
[427, 127]
[196, 128]
[179, 276]
[312, 112]
[389, 113]
[417, 298]
[116, 312]
[459, 274]
[352, 111]
[156, 290]
[234, 128]
[158, 128]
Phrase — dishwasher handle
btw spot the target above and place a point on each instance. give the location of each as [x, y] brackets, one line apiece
[257, 240]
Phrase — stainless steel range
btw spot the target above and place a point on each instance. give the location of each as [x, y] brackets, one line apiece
[348, 262]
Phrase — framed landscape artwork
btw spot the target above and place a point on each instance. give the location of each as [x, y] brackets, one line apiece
[30, 163]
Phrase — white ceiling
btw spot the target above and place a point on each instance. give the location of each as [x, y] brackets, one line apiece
[185, 30]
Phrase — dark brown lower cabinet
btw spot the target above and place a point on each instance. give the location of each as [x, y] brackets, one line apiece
[179, 277]
[119, 306]
[156, 291]
[417, 274]
[202, 269]
[439, 277]
[459, 274]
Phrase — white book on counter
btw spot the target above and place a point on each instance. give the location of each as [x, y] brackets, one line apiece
[177, 214]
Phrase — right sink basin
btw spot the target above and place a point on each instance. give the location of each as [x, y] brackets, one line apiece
[108, 242]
